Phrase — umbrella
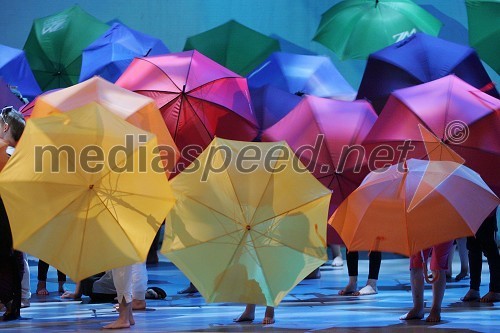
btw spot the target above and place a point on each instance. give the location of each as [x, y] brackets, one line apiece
[326, 135]
[15, 70]
[110, 54]
[418, 59]
[484, 31]
[304, 74]
[136, 109]
[245, 233]
[234, 46]
[376, 217]
[55, 44]
[459, 115]
[80, 195]
[198, 98]
[270, 104]
[355, 28]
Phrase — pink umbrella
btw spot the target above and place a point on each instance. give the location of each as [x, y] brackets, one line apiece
[198, 98]
[461, 116]
[326, 135]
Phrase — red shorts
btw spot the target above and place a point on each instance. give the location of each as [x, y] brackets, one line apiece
[439, 258]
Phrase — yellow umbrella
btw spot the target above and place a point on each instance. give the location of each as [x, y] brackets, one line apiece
[249, 222]
[136, 109]
[81, 191]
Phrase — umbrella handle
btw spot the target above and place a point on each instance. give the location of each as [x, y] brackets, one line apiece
[426, 275]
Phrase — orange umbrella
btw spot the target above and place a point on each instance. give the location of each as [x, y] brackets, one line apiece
[136, 109]
[408, 208]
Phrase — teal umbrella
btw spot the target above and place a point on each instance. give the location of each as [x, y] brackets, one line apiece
[484, 30]
[355, 28]
[55, 44]
[234, 46]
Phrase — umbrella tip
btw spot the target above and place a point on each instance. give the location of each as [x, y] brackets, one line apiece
[248, 227]
[91, 186]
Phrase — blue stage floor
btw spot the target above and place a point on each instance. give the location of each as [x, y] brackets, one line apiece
[312, 306]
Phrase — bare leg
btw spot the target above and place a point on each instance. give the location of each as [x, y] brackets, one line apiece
[269, 316]
[247, 315]
[125, 317]
[464, 258]
[438, 288]
[417, 293]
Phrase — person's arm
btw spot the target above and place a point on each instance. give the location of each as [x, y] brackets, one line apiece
[77, 294]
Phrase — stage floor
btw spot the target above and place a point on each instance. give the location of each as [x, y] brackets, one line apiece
[311, 306]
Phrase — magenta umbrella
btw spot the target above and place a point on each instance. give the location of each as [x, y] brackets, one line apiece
[198, 98]
[464, 118]
[326, 136]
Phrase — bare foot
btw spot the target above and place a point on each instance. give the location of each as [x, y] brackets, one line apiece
[191, 289]
[117, 324]
[269, 316]
[461, 276]
[471, 296]
[434, 316]
[245, 316]
[413, 314]
[41, 288]
[366, 290]
[490, 297]
[348, 290]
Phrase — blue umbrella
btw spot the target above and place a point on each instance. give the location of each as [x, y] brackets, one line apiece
[419, 59]
[15, 71]
[298, 73]
[110, 55]
[270, 104]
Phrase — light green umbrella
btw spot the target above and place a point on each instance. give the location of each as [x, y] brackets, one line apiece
[55, 43]
[234, 46]
[355, 28]
[484, 30]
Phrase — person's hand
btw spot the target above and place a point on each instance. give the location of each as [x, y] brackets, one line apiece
[72, 295]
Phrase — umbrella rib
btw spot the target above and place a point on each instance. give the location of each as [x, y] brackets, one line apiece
[161, 70]
[83, 236]
[288, 211]
[215, 210]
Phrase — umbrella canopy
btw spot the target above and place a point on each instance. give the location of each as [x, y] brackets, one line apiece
[15, 70]
[270, 104]
[78, 183]
[110, 55]
[459, 115]
[7, 97]
[249, 235]
[198, 98]
[377, 216]
[484, 30]
[136, 109]
[418, 59]
[234, 46]
[304, 74]
[55, 44]
[355, 28]
[326, 135]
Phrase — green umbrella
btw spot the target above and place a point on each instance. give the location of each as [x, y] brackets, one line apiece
[355, 28]
[484, 30]
[234, 46]
[55, 43]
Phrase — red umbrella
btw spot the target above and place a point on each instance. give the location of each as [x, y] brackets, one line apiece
[326, 135]
[198, 98]
[461, 116]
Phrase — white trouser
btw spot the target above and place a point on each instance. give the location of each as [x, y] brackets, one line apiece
[25, 283]
[122, 279]
[139, 281]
